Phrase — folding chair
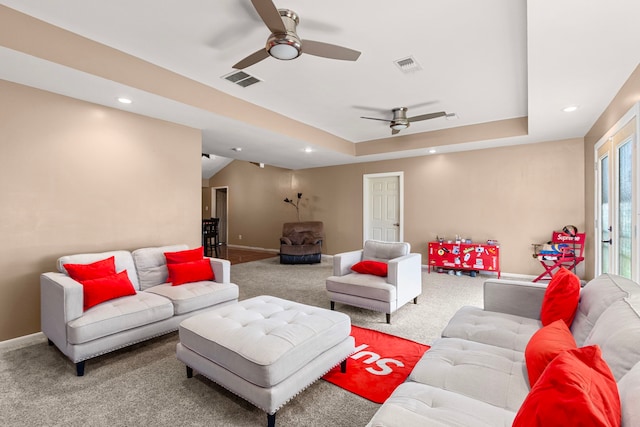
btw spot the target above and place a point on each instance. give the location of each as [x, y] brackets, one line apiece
[565, 250]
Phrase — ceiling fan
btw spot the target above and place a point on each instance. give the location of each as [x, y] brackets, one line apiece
[400, 120]
[284, 43]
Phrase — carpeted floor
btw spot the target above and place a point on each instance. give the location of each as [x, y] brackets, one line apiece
[146, 385]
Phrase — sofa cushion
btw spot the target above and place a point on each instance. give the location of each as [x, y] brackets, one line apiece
[94, 270]
[629, 389]
[576, 389]
[377, 268]
[196, 295]
[151, 264]
[544, 346]
[376, 250]
[362, 285]
[123, 261]
[415, 404]
[468, 367]
[617, 332]
[187, 272]
[595, 298]
[112, 317]
[103, 289]
[561, 298]
[499, 329]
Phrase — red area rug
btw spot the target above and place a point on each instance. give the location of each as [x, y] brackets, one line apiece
[380, 363]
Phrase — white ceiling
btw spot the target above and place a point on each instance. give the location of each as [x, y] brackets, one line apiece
[484, 60]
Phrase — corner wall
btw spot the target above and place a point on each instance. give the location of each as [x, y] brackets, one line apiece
[78, 177]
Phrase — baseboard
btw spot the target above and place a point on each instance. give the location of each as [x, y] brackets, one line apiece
[24, 341]
[254, 248]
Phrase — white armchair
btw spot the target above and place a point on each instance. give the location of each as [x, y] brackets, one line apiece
[402, 284]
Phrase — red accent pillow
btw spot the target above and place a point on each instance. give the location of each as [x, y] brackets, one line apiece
[179, 257]
[561, 298]
[95, 270]
[187, 255]
[544, 346]
[371, 267]
[576, 389]
[106, 288]
[188, 272]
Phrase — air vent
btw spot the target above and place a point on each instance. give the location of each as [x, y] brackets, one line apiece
[241, 78]
[408, 64]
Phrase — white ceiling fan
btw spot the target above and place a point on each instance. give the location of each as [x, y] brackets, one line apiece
[284, 43]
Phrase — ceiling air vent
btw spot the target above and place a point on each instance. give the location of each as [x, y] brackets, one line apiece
[408, 64]
[241, 78]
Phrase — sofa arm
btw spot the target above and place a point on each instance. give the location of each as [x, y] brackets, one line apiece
[343, 262]
[61, 301]
[221, 270]
[514, 297]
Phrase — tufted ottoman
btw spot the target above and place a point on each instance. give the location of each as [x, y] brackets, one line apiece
[265, 349]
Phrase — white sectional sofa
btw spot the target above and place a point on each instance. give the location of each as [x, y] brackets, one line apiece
[156, 308]
[476, 374]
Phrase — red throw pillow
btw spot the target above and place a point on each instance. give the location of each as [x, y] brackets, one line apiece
[106, 288]
[371, 267]
[576, 389]
[561, 298]
[188, 255]
[544, 346]
[188, 272]
[95, 270]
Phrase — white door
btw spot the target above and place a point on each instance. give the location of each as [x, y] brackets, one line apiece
[616, 203]
[383, 207]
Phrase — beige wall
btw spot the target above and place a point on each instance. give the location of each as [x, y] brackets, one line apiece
[77, 177]
[516, 195]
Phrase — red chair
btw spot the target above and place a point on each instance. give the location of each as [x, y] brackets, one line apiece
[565, 250]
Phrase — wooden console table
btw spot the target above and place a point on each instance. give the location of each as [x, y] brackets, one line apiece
[464, 256]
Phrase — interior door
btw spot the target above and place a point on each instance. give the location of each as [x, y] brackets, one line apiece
[383, 213]
[617, 199]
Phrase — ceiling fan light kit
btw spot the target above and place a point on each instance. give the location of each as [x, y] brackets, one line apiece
[400, 120]
[284, 43]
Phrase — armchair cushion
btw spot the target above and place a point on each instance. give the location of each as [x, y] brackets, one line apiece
[377, 250]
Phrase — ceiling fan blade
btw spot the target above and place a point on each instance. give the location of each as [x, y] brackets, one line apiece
[395, 131]
[427, 116]
[375, 118]
[254, 58]
[327, 50]
[269, 15]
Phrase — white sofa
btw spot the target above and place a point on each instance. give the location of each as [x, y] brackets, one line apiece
[157, 307]
[476, 375]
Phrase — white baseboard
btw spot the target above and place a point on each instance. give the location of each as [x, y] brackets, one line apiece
[254, 248]
[24, 341]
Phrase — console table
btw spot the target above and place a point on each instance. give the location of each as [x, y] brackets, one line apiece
[464, 256]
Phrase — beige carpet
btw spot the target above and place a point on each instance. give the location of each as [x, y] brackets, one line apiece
[145, 385]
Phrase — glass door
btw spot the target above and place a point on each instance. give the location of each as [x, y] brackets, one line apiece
[617, 199]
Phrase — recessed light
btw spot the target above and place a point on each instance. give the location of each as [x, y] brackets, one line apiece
[570, 108]
[432, 151]
[308, 150]
[237, 149]
[124, 100]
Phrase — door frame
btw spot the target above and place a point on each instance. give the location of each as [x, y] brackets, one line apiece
[213, 208]
[366, 201]
[634, 112]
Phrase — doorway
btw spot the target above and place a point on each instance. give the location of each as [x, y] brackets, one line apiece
[383, 203]
[617, 200]
[219, 197]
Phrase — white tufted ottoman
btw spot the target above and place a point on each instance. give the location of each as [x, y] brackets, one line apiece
[265, 349]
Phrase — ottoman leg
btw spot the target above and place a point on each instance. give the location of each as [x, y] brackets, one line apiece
[189, 372]
[271, 420]
[343, 366]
